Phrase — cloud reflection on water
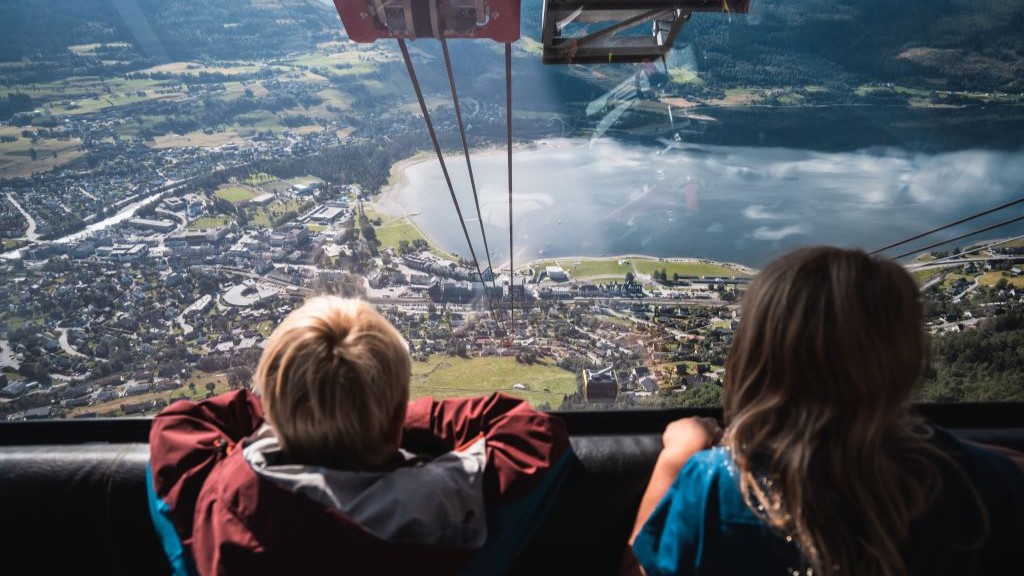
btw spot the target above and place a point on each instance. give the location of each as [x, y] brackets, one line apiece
[739, 204]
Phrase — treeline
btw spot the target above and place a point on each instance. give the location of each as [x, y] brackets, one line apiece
[178, 29]
[361, 162]
[33, 29]
[983, 365]
[214, 112]
[229, 29]
[13, 104]
[367, 163]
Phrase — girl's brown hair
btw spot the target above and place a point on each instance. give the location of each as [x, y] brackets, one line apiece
[817, 401]
[334, 379]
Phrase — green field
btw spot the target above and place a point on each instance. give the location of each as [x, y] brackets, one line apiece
[951, 279]
[739, 96]
[390, 233]
[16, 157]
[393, 230]
[447, 376]
[923, 275]
[1018, 243]
[579, 268]
[208, 222]
[645, 266]
[261, 217]
[198, 378]
[138, 123]
[865, 90]
[990, 279]
[87, 94]
[235, 194]
[76, 87]
[257, 121]
[614, 320]
[336, 97]
[684, 76]
[98, 103]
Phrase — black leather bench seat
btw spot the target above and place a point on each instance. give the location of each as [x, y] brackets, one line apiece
[84, 506]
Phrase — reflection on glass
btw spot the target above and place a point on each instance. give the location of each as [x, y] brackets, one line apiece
[174, 180]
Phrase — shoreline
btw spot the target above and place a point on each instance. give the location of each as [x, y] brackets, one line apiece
[743, 268]
[386, 202]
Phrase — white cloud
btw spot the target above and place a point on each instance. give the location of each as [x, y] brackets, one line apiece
[758, 212]
[766, 233]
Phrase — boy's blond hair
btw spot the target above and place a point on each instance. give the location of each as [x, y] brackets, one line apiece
[334, 378]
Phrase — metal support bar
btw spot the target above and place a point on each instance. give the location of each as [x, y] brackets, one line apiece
[609, 44]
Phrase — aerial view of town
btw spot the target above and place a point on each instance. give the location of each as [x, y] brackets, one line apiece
[174, 181]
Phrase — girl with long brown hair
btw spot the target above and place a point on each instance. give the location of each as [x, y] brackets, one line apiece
[824, 467]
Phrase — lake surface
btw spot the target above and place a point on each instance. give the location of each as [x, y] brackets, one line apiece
[735, 204]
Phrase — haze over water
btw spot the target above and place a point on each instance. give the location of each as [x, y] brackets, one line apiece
[731, 204]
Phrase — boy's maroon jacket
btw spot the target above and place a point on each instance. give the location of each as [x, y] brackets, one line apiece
[231, 519]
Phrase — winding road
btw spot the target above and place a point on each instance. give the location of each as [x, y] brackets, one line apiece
[65, 346]
[30, 233]
[198, 305]
[7, 355]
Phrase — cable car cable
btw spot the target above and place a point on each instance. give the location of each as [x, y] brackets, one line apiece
[508, 126]
[954, 257]
[950, 225]
[465, 151]
[440, 159]
[979, 231]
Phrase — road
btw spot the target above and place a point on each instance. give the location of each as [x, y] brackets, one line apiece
[199, 304]
[86, 193]
[65, 346]
[181, 219]
[946, 326]
[120, 216]
[949, 263]
[7, 355]
[933, 282]
[30, 233]
[123, 214]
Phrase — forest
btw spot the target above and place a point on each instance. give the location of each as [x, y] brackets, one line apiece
[983, 365]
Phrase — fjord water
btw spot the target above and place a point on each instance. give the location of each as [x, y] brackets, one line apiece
[735, 204]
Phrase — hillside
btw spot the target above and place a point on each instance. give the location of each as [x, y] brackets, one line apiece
[952, 43]
[70, 37]
[928, 75]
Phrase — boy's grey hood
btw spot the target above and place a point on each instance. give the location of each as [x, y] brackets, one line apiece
[440, 502]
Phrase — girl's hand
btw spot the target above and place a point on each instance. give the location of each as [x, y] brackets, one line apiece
[691, 434]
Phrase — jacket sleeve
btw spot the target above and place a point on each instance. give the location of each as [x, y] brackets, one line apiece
[187, 439]
[224, 545]
[523, 444]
